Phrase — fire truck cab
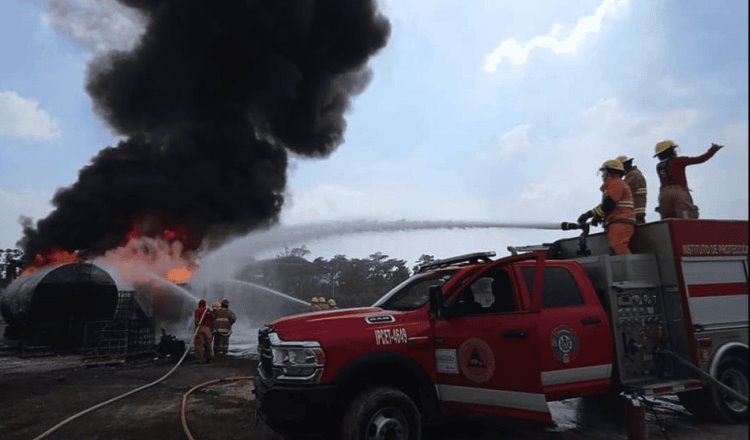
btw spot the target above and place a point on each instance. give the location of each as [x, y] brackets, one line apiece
[471, 335]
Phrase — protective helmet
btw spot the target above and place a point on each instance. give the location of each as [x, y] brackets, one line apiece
[322, 299]
[664, 146]
[624, 159]
[225, 303]
[613, 164]
[332, 302]
[216, 305]
[314, 299]
[202, 303]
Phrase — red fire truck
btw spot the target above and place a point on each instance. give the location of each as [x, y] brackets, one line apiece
[473, 334]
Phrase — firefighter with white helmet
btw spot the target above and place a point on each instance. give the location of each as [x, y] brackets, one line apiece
[615, 210]
[314, 304]
[675, 200]
[323, 303]
[332, 304]
[637, 184]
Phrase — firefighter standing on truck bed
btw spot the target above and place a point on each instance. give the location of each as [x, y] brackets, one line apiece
[616, 208]
[637, 184]
[675, 200]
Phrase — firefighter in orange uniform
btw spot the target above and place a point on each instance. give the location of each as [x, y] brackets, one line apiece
[616, 208]
[637, 184]
[204, 321]
[675, 200]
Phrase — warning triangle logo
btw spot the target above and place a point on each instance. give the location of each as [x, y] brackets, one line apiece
[475, 360]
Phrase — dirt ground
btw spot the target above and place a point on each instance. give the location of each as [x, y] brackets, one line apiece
[38, 393]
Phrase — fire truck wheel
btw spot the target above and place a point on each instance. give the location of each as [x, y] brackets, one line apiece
[381, 413]
[732, 371]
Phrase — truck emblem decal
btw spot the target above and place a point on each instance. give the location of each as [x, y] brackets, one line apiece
[565, 344]
[388, 336]
[476, 360]
[379, 319]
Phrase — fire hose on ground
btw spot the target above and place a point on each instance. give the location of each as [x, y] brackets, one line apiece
[183, 418]
[141, 388]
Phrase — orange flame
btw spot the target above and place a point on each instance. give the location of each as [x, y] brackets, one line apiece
[179, 275]
[53, 257]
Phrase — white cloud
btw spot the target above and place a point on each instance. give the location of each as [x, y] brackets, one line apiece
[555, 40]
[98, 25]
[514, 140]
[22, 118]
[34, 204]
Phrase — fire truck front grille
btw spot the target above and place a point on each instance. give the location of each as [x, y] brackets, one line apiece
[264, 350]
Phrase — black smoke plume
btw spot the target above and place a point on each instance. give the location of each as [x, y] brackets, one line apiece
[210, 101]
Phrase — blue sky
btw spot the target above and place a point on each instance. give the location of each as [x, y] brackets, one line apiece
[477, 110]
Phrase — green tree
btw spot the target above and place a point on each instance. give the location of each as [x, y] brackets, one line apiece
[422, 260]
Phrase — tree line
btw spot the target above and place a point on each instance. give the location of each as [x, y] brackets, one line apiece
[352, 282]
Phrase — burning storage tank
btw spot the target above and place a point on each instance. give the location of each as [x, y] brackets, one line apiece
[52, 305]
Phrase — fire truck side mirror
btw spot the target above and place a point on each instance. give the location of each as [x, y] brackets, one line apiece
[436, 301]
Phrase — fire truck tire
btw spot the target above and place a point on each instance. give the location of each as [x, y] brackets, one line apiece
[380, 413]
[732, 371]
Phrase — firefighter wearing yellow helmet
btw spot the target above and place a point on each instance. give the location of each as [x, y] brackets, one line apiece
[637, 183]
[224, 319]
[332, 304]
[675, 200]
[616, 208]
[323, 303]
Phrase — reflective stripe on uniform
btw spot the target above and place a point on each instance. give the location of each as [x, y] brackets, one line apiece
[641, 191]
[625, 204]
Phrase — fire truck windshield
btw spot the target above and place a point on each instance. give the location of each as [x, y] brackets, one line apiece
[414, 292]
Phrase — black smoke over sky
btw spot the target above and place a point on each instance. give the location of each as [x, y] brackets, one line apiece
[210, 101]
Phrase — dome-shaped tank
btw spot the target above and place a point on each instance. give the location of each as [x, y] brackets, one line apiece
[57, 301]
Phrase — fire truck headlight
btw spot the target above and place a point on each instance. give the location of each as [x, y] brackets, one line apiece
[298, 362]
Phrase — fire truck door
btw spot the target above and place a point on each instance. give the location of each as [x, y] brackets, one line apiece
[575, 340]
[486, 354]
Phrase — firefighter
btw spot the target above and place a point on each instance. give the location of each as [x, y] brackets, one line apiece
[314, 304]
[616, 208]
[223, 321]
[637, 184]
[323, 303]
[202, 340]
[332, 304]
[675, 200]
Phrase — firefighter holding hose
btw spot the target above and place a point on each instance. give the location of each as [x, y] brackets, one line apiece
[616, 209]
[204, 320]
[223, 321]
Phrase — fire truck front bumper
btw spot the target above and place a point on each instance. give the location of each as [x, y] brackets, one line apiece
[286, 408]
